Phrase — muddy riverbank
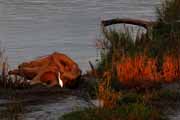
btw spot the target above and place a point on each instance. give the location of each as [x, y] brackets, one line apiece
[41, 104]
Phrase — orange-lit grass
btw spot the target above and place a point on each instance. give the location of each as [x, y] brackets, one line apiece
[108, 96]
[142, 71]
[170, 68]
[137, 71]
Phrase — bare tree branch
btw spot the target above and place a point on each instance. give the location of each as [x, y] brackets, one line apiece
[142, 23]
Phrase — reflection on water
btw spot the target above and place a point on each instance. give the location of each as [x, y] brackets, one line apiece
[39, 106]
[12, 111]
[31, 28]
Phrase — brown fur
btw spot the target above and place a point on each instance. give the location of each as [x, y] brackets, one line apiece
[46, 68]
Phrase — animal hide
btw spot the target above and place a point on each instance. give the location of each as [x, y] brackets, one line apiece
[54, 69]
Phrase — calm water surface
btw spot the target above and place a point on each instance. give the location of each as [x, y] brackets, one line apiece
[32, 28]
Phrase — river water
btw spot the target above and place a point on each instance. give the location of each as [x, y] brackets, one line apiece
[41, 104]
[32, 28]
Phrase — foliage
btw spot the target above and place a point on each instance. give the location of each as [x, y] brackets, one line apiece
[118, 43]
[149, 58]
[106, 94]
[134, 111]
[166, 32]
[169, 11]
[134, 105]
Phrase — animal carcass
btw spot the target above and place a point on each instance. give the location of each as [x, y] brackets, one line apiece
[54, 69]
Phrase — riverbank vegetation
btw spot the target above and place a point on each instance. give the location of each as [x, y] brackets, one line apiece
[6, 81]
[135, 71]
[137, 76]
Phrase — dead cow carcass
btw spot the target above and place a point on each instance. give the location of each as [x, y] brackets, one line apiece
[54, 69]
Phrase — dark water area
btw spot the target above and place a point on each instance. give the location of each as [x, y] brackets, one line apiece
[39, 103]
[32, 28]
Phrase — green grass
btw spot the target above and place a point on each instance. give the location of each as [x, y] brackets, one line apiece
[132, 106]
[117, 43]
[134, 111]
[166, 32]
[169, 11]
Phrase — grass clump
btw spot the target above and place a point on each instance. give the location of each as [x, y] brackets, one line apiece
[134, 111]
[6, 81]
[116, 44]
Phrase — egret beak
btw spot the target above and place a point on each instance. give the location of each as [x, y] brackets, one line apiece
[59, 79]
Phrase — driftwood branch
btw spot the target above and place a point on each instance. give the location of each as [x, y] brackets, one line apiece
[142, 23]
[93, 70]
[91, 65]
